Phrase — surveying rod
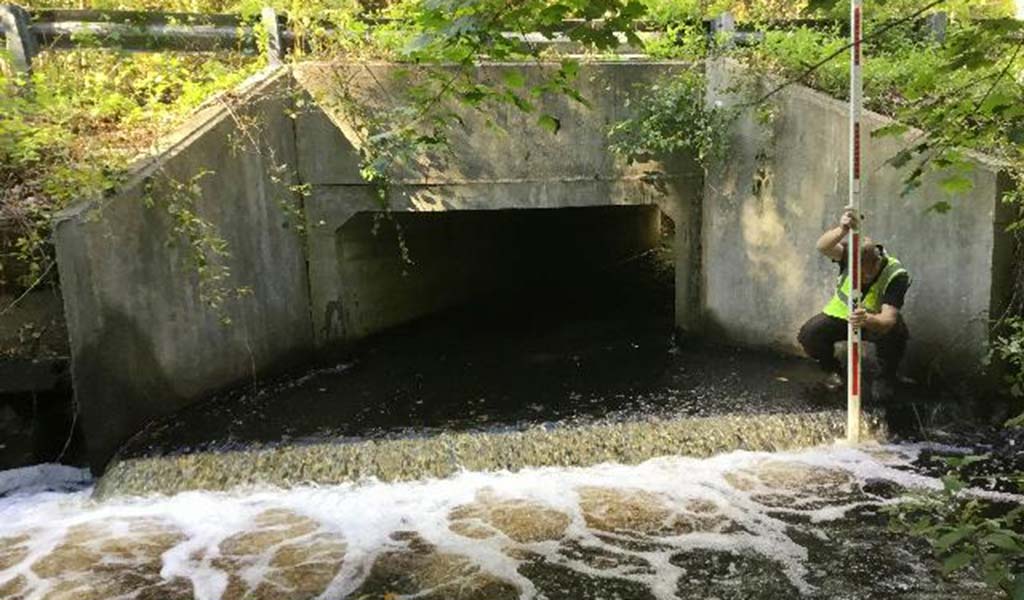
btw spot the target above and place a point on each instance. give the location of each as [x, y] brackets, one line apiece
[853, 242]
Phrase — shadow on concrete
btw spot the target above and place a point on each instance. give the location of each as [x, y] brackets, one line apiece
[132, 390]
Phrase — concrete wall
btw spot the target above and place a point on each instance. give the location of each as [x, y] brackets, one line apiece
[515, 165]
[143, 344]
[784, 183]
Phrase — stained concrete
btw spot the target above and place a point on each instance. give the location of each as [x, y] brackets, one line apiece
[498, 143]
[785, 182]
[500, 159]
[446, 454]
[142, 341]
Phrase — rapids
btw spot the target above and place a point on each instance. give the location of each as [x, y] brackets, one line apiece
[736, 525]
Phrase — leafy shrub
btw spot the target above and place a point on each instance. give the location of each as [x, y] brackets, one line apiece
[1009, 348]
[965, 530]
[673, 116]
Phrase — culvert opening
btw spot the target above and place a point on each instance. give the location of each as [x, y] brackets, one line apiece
[512, 274]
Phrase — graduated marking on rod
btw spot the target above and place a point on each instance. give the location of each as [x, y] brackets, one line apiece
[856, 153]
[853, 416]
[856, 36]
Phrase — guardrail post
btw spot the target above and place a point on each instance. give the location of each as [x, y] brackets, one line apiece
[723, 26]
[275, 47]
[937, 23]
[21, 44]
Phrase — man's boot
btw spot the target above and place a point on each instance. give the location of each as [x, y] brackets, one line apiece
[834, 383]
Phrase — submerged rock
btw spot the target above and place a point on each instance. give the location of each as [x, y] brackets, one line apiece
[284, 556]
[522, 521]
[112, 558]
[419, 569]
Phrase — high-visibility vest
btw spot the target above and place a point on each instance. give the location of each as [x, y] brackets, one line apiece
[872, 301]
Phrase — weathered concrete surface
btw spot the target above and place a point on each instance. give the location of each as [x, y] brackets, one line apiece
[786, 182]
[510, 164]
[499, 144]
[143, 343]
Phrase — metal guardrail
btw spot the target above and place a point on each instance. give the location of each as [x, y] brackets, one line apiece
[28, 33]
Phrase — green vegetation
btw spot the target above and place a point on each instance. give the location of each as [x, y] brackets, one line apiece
[963, 92]
[674, 116]
[966, 530]
[89, 113]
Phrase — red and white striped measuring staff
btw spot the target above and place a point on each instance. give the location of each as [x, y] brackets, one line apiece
[853, 243]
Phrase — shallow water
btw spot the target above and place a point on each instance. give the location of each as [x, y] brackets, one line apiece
[739, 525]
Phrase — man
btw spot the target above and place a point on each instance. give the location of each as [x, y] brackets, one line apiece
[884, 283]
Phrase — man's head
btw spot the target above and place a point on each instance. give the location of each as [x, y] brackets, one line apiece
[870, 260]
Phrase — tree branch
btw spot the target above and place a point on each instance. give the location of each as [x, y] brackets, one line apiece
[1000, 77]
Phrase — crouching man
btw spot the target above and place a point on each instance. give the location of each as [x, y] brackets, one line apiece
[883, 283]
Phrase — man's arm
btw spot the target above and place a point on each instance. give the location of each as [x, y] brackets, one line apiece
[876, 323]
[829, 242]
[892, 301]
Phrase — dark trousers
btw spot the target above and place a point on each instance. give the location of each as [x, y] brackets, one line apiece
[821, 332]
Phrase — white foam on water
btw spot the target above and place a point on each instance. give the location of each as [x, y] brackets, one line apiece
[43, 478]
[367, 514]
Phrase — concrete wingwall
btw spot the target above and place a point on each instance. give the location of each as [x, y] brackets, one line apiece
[143, 342]
[785, 182]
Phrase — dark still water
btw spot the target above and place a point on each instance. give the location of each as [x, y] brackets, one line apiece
[596, 346]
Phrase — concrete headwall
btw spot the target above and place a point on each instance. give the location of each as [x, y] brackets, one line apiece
[786, 181]
[143, 343]
[511, 163]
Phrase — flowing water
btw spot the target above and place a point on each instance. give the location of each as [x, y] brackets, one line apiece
[738, 525]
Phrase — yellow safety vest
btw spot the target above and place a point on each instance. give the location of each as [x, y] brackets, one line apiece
[872, 302]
